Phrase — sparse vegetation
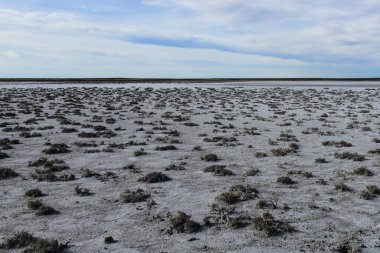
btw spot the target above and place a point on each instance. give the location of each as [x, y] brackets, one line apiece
[3, 155]
[218, 170]
[210, 158]
[342, 187]
[237, 193]
[363, 171]
[82, 191]
[268, 226]
[338, 144]
[34, 193]
[6, 173]
[350, 156]
[59, 148]
[154, 177]
[165, 148]
[140, 152]
[181, 223]
[285, 180]
[134, 196]
[24, 240]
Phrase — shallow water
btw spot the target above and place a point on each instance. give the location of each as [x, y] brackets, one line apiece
[244, 85]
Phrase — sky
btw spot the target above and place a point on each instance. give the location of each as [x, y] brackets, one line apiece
[189, 38]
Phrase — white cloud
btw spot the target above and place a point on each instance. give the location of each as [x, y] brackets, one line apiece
[250, 38]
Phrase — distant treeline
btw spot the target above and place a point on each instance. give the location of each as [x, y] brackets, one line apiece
[170, 80]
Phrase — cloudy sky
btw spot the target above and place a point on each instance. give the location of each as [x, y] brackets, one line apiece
[189, 38]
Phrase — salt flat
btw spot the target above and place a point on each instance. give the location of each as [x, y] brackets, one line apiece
[254, 169]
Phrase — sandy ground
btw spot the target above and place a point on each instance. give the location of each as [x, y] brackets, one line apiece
[248, 123]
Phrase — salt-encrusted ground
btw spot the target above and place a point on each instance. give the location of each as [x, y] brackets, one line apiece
[287, 125]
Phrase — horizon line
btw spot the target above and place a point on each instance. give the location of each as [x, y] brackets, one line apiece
[179, 80]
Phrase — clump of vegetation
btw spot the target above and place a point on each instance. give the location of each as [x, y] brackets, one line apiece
[281, 151]
[134, 196]
[154, 177]
[285, 180]
[220, 139]
[294, 147]
[181, 223]
[7, 143]
[350, 156]
[85, 144]
[287, 137]
[370, 192]
[301, 173]
[58, 148]
[342, 187]
[42, 175]
[174, 167]
[140, 152]
[3, 155]
[46, 210]
[34, 204]
[132, 168]
[262, 204]
[88, 135]
[252, 172]
[98, 134]
[197, 148]
[268, 226]
[165, 148]
[30, 135]
[34, 193]
[218, 170]
[321, 160]
[237, 193]
[69, 130]
[374, 151]
[210, 158]
[6, 173]
[363, 171]
[338, 144]
[345, 247]
[88, 173]
[321, 181]
[40, 208]
[82, 191]
[260, 154]
[32, 244]
[109, 240]
[45, 162]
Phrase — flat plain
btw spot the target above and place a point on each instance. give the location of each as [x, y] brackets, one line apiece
[97, 169]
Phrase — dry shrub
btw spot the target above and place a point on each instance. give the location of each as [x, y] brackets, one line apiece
[34, 193]
[342, 187]
[82, 191]
[210, 158]
[285, 180]
[237, 193]
[338, 144]
[182, 223]
[166, 148]
[268, 226]
[363, 171]
[154, 177]
[370, 192]
[58, 148]
[350, 156]
[134, 196]
[32, 244]
[3, 155]
[218, 170]
[6, 173]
